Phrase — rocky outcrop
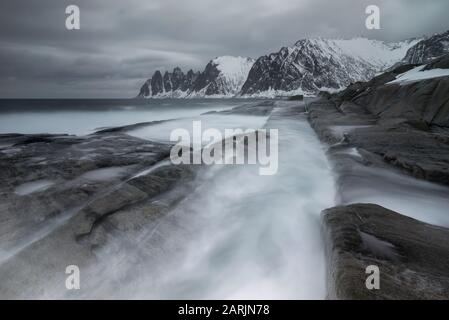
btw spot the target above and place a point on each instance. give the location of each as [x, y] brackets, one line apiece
[374, 128]
[428, 49]
[95, 201]
[64, 198]
[425, 100]
[412, 257]
[406, 124]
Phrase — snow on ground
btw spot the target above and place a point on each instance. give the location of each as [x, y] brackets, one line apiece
[417, 74]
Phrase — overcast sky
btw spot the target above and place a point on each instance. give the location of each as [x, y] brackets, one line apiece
[122, 42]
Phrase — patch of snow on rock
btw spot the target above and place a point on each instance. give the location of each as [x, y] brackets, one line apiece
[417, 74]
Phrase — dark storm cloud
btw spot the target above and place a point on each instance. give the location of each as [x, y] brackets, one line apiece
[122, 42]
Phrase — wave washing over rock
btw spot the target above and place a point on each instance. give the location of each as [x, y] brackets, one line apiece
[386, 136]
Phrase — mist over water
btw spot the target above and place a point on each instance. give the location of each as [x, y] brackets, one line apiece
[392, 189]
[161, 132]
[236, 234]
[240, 235]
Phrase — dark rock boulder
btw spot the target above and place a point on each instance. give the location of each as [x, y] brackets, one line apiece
[425, 100]
[440, 63]
[412, 257]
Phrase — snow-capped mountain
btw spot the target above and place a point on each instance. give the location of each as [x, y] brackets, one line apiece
[233, 73]
[318, 64]
[223, 77]
[428, 49]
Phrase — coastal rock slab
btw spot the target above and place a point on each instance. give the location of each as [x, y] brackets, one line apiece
[412, 257]
[64, 198]
[407, 125]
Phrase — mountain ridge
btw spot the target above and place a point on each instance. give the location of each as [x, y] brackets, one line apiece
[307, 67]
[317, 64]
[428, 49]
[222, 77]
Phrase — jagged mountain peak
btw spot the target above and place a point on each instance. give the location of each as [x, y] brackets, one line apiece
[308, 66]
[222, 77]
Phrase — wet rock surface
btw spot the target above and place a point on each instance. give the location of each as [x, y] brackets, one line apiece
[92, 201]
[376, 132]
[412, 257]
[407, 125]
[263, 108]
[63, 198]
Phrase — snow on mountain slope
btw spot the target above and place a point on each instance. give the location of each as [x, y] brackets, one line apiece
[306, 68]
[318, 64]
[233, 73]
[379, 53]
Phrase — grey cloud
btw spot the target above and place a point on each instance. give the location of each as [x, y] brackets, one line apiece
[121, 43]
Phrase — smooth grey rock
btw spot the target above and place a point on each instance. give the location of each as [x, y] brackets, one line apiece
[387, 124]
[413, 257]
[98, 190]
[406, 125]
[263, 108]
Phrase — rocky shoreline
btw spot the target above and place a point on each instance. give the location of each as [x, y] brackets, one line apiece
[99, 187]
[87, 191]
[378, 125]
[75, 199]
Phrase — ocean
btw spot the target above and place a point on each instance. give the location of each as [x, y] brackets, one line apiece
[85, 116]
